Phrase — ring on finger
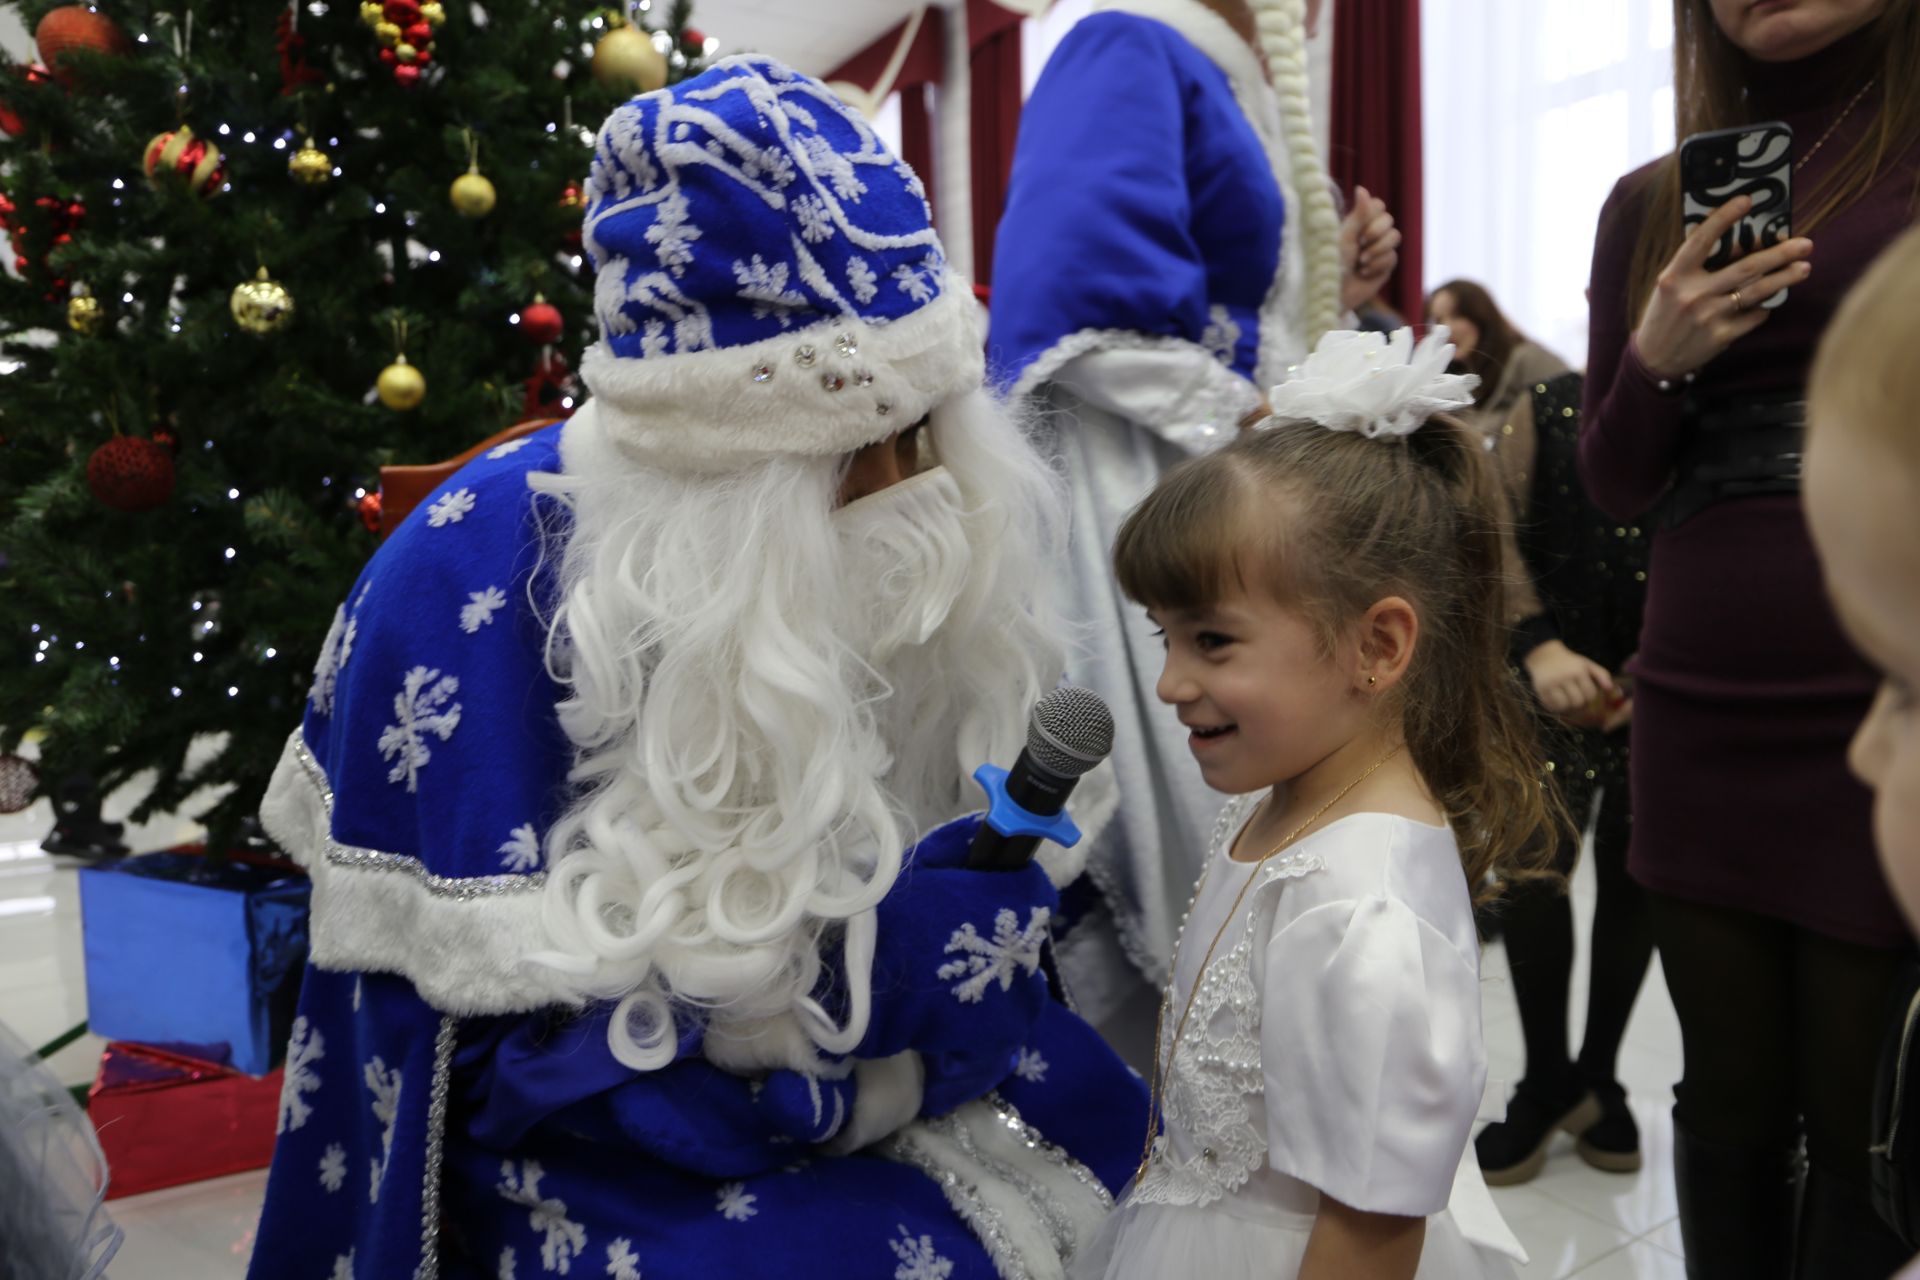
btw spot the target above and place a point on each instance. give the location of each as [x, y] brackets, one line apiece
[1737, 304]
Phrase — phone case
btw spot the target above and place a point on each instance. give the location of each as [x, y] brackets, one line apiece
[1753, 160]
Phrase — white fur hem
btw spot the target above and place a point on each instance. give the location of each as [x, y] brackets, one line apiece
[827, 389]
[1030, 1204]
[465, 943]
[1175, 388]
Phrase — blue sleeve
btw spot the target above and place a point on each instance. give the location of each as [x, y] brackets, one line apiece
[1097, 232]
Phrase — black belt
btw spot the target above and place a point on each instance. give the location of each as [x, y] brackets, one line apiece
[1737, 449]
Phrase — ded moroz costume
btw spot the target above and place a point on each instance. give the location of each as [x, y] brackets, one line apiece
[630, 956]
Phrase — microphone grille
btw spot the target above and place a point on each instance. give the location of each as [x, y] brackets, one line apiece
[1070, 731]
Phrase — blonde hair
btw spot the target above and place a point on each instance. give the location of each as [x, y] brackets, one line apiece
[1282, 25]
[1862, 374]
[1331, 522]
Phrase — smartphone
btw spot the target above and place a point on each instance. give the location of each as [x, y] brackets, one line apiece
[1753, 160]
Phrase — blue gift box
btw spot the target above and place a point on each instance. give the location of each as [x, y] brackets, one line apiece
[180, 949]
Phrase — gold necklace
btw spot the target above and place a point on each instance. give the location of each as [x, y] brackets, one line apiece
[1844, 113]
[1162, 1069]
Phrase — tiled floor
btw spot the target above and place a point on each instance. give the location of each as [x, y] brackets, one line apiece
[1574, 1220]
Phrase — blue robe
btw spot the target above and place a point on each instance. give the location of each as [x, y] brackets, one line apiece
[447, 1114]
[1148, 286]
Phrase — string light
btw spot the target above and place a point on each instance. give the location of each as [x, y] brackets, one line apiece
[230, 553]
[232, 493]
[380, 207]
[176, 691]
[233, 691]
[247, 136]
[197, 656]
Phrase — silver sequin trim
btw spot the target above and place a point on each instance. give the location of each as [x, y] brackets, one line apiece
[1059, 1228]
[429, 1268]
[1055, 1155]
[461, 888]
[984, 1220]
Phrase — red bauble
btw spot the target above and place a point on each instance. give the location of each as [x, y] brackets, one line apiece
[130, 474]
[406, 74]
[419, 35]
[389, 57]
[73, 27]
[542, 323]
[181, 157]
[10, 122]
[694, 39]
[402, 13]
[422, 57]
[369, 509]
[551, 383]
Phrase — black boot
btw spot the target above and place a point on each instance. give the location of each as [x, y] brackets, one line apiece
[1514, 1150]
[1612, 1142]
[1841, 1237]
[1736, 1208]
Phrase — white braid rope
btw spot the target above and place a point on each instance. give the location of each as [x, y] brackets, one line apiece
[1283, 39]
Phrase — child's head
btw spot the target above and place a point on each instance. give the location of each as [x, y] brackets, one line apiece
[1863, 501]
[1317, 585]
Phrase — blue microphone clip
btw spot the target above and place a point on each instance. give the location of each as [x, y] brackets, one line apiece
[1007, 816]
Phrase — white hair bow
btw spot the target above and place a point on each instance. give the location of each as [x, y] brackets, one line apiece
[1373, 384]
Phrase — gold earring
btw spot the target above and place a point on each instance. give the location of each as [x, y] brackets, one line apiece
[1372, 681]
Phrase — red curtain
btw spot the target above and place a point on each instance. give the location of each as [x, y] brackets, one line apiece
[1376, 123]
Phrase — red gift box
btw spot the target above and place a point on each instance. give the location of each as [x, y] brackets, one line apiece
[165, 1118]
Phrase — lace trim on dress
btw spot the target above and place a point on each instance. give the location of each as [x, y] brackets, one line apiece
[1215, 1071]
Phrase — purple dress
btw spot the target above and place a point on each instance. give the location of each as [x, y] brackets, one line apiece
[1747, 692]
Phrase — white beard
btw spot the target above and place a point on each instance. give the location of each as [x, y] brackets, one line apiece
[768, 703]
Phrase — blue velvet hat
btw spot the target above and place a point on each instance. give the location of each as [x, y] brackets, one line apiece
[768, 277]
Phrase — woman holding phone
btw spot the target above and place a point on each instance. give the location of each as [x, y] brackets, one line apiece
[1777, 933]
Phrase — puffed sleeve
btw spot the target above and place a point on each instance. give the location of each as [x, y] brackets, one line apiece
[1371, 1048]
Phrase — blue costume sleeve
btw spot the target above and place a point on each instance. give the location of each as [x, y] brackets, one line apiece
[1097, 233]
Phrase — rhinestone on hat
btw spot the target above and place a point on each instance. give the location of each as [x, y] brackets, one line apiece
[864, 378]
[846, 345]
[883, 408]
[763, 373]
[804, 357]
[832, 381]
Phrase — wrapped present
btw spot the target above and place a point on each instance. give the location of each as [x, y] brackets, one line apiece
[183, 950]
[165, 1117]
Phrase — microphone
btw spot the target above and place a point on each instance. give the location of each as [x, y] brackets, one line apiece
[1069, 732]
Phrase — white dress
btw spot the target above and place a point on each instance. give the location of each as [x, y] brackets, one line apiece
[1334, 1046]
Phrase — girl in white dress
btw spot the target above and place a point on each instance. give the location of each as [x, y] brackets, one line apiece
[1330, 602]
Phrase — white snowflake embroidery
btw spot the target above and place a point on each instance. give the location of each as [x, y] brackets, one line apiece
[521, 852]
[773, 164]
[834, 167]
[333, 1167]
[478, 611]
[343, 1266]
[986, 960]
[419, 711]
[919, 1260]
[450, 508]
[561, 1240]
[861, 279]
[610, 294]
[622, 1262]
[919, 282]
[816, 220]
[326, 672]
[766, 287]
[653, 341]
[304, 1048]
[509, 1265]
[384, 1084]
[625, 155]
[912, 180]
[1222, 335]
[512, 446]
[1031, 1067]
[735, 1203]
[672, 235]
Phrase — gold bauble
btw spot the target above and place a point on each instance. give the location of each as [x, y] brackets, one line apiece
[371, 12]
[405, 52]
[261, 305]
[473, 196]
[84, 315]
[626, 61]
[432, 14]
[310, 166]
[387, 33]
[401, 386]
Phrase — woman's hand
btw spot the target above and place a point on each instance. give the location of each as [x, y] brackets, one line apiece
[1694, 314]
[1564, 681]
[1369, 249]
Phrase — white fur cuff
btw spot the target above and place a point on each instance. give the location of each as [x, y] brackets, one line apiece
[821, 391]
[886, 1099]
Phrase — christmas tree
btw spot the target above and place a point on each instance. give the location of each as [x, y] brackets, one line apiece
[231, 220]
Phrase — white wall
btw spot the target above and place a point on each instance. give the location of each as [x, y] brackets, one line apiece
[14, 37]
[1532, 109]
